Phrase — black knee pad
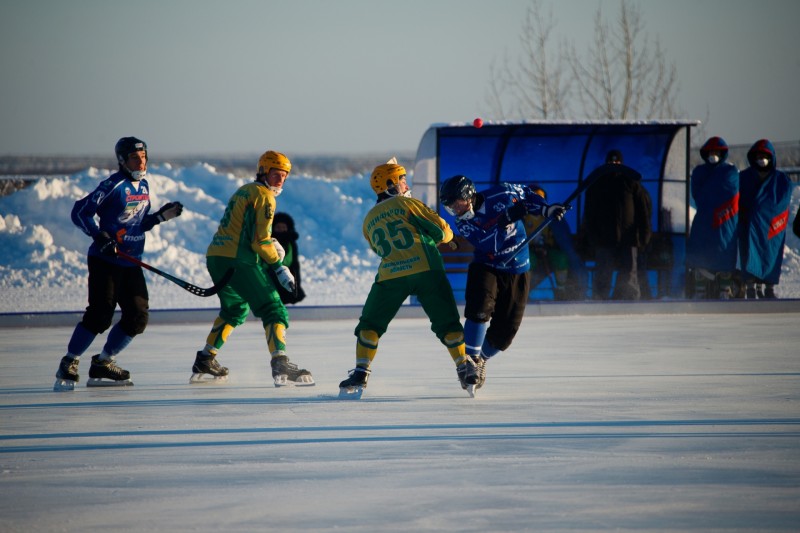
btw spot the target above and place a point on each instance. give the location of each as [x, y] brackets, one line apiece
[134, 325]
[97, 321]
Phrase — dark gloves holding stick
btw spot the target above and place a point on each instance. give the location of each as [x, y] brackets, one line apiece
[106, 244]
[512, 214]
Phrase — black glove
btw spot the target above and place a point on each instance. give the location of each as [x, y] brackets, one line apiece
[169, 211]
[106, 245]
[512, 214]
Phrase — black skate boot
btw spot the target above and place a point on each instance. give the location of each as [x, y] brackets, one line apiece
[286, 373]
[67, 374]
[353, 387]
[106, 373]
[207, 369]
[468, 375]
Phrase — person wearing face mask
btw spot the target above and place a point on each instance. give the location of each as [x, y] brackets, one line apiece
[763, 218]
[617, 227]
[116, 215]
[712, 247]
[497, 287]
[404, 233]
[283, 230]
[244, 242]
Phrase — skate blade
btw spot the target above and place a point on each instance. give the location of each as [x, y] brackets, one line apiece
[62, 385]
[471, 389]
[207, 379]
[101, 382]
[350, 393]
[302, 381]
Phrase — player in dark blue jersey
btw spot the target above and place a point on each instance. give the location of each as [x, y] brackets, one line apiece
[497, 288]
[116, 216]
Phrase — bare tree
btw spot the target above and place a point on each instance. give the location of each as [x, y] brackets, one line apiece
[535, 85]
[620, 76]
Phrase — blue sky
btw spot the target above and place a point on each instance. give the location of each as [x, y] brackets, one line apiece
[348, 76]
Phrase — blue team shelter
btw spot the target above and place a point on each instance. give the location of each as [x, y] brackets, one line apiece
[558, 155]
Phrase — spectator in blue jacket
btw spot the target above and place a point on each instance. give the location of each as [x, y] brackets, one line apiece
[765, 193]
[712, 247]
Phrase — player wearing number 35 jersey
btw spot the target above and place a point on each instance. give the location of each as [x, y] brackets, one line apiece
[404, 232]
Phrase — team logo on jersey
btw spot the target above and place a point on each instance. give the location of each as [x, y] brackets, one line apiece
[135, 204]
[132, 210]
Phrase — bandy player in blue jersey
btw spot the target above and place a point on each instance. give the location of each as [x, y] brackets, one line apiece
[116, 216]
[496, 292]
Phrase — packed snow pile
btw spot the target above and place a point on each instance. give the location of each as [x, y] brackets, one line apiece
[43, 265]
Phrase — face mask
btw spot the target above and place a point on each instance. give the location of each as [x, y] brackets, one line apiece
[466, 215]
[762, 162]
[713, 159]
[137, 175]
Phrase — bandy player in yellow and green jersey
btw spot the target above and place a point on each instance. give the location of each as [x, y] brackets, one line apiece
[244, 242]
[404, 232]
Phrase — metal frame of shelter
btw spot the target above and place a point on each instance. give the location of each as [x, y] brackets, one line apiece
[558, 155]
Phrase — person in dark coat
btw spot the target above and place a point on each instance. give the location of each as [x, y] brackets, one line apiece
[712, 249]
[283, 229]
[765, 194]
[616, 224]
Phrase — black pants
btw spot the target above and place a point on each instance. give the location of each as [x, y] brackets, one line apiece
[623, 260]
[498, 298]
[109, 285]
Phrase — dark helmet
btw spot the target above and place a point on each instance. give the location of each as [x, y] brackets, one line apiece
[456, 188]
[126, 146]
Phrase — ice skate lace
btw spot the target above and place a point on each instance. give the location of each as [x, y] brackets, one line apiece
[353, 380]
[72, 367]
[111, 366]
[282, 365]
[467, 369]
[480, 366]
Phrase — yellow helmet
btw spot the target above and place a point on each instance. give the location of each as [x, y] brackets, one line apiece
[272, 159]
[386, 176]
[536, 189]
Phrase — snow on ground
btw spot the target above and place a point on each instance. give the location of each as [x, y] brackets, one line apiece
[636, 423]
[43, 263]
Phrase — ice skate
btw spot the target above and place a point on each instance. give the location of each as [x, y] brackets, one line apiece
[480, 364]
[353, 387]
[66, 375]
[206, 369]
[286, 373]
[106, 373]
[468, 375]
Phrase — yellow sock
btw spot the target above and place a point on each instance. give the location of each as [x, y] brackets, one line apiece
[218, 335]
[276, 339]
[366, 347]
[455, 346]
